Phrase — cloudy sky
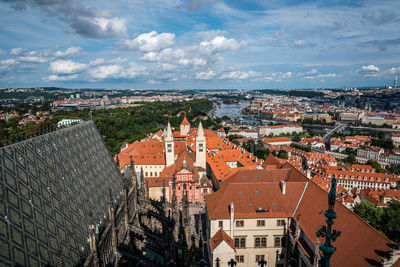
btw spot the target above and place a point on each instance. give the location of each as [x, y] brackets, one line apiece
[199, 43]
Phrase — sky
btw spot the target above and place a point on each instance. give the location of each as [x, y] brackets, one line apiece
[199, 44]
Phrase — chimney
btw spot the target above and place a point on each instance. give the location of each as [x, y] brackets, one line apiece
[283, 187]
[308, 174]
[232, 218]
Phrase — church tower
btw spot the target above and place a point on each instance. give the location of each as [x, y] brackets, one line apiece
[169, 147]
[185, 127]
[200, 147]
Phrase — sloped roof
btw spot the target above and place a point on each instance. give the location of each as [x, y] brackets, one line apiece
[248, 190]
[271, 160]
[359, 245]
[185, 122]
[219, 237]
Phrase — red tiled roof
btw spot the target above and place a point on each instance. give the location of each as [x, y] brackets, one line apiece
[185, 122]
[219, 237]
[248, 191]
[276, 139]
[359, 245]
[271, 160]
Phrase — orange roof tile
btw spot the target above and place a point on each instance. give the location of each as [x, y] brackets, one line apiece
[219, 237]
[185, 121]
[359, 245]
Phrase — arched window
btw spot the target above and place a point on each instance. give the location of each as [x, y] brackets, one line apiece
[242, 242]
[277, 241]
[263, 242]
[257, 242]
[237, 242]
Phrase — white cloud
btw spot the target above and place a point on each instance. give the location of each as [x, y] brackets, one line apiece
[110, 27]
[209, 35]
[66, 67]
[33, 59]
[239, 75]
[54, 77]
[15, 51]
[167, 66]
[176, 56]
[33, 56]
[278, 76]
[205, 75]
[7, 65]
[394, 70]
[69, 52]
[312, 71]
[8, 62]
[202, 54]
[151, 41]
[301, 43]
[220, 44]
[87, 21]
[103, 61]
[370, 70]
[314, 74]
[326, 75]
[117, 71]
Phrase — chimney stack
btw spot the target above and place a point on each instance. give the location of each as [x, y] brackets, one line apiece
[283, 187]
[232, 218]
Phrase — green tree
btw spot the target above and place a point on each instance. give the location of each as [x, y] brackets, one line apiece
[391, 221]
[370, 213]
[351, 159]
[283, 154]
[376, 166]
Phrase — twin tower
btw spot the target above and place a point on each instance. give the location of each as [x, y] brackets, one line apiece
[184, 131]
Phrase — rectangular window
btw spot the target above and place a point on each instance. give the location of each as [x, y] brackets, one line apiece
[200, 150]
[240, 223]
[239, 258]
[200, 145]
[259, 257]
[169, 145]
[146, 174]
[260, 222]
[280, 222]
[169, 150]
[221, 224]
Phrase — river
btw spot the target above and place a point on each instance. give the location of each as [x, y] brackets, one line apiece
[234, 111]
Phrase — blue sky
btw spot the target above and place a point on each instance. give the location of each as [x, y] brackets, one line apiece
[199, 43]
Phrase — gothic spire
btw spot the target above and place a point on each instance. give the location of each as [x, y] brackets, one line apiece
[169, 137]
[200, 133]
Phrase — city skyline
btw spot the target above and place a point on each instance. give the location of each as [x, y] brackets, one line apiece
[199, 44]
